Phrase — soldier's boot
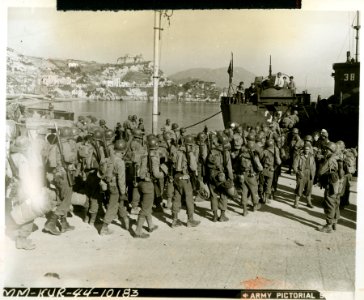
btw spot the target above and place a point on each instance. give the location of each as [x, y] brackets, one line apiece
[272, 195]
[151, 226]
[51, 225]
[245, 209]
[176, 222]
[257, 206]
[223, 217]
[334, 225]
[65, 226]
[138, 230]
[267, 198]
[215, 219]
[93, 218]
[105, 230]
[296, 201]
[326, 228]
[192, 222]
[24, 243]
[309, 203]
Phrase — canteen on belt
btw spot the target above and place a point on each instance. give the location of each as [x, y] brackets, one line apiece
[78, 199]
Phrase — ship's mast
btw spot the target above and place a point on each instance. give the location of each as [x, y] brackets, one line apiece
[157, 30]
[270, 66]
[357, 27]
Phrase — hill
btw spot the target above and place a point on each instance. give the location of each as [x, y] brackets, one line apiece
[219, 76]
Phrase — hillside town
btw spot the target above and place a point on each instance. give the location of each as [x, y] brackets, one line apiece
[129, 78]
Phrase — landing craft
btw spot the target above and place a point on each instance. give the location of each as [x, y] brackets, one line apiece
[339, 114]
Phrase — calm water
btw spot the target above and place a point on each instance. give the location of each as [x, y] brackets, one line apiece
[184, 114]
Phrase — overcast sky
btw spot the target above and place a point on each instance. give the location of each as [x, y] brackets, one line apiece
[302, 43]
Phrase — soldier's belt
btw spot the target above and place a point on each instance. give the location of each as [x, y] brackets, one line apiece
[183, 177]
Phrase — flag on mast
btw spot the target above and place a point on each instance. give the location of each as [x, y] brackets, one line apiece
[231, 69]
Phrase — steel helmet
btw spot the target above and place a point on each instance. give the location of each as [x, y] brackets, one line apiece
[120, 145]
[251, 137]
[269, 143]
[136, 132]
[93, 119]
[201, 136]
[233, 125]
[167, 135]
[331, 146]
[340, 145]
[150, 136]
[102, 122]
[153, 143]
[134, 117]
[98, 134]
[65, 132]
[223, 139]
[109, 134]
[175, 126]
[295, 131]
[182, 130]
[189, 140]
[308, 138]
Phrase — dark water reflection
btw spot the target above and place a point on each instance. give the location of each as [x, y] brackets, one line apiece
[184, 114]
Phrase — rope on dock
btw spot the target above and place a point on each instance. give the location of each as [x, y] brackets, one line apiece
[202, 120]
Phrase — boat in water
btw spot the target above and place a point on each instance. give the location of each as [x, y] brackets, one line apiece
[338, 114]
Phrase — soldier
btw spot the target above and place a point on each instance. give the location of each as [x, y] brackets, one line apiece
[112, 172]
[61, 163]
[329, 179]
[219, 169]
[134, 122]
[175, 134]
[148, 172]
[171, 154]
[119, 132]
[141, 125]
[186, 166]
[167, 126]
[269, 160]
[128, 128]
[246, 169]
[305, 167]
[279, 153]
[295, 147]
[103, 126]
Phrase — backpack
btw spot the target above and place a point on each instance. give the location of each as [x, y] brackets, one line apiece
[349, 162]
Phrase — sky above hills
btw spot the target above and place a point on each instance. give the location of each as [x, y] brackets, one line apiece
[304, 44]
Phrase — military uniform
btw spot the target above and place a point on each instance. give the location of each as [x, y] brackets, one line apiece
[148, 172]
[186, 163]
[268, 163]
[63, 170]
[329, 179]
[218, 165]
[112, 172]
[247, 178]
[305, 167]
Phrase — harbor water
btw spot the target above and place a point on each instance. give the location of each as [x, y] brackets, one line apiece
[184, 114]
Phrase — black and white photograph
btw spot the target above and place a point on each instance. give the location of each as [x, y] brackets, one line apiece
[182, 153]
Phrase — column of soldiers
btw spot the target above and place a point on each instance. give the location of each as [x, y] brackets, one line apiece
[123, 171]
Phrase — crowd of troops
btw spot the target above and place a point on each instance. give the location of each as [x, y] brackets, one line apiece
[124, 170]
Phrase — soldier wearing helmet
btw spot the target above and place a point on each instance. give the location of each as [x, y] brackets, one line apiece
[329, 179]
[128, 127]
[220, 177]
[269, 159]
[176, 134]
[134, 122]
[102, 124]
[295, 147]
[149, 172]
[186, 168]
[141, 125]
[112, 174]
[62, 164]
[247, 167]
[304, 166]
